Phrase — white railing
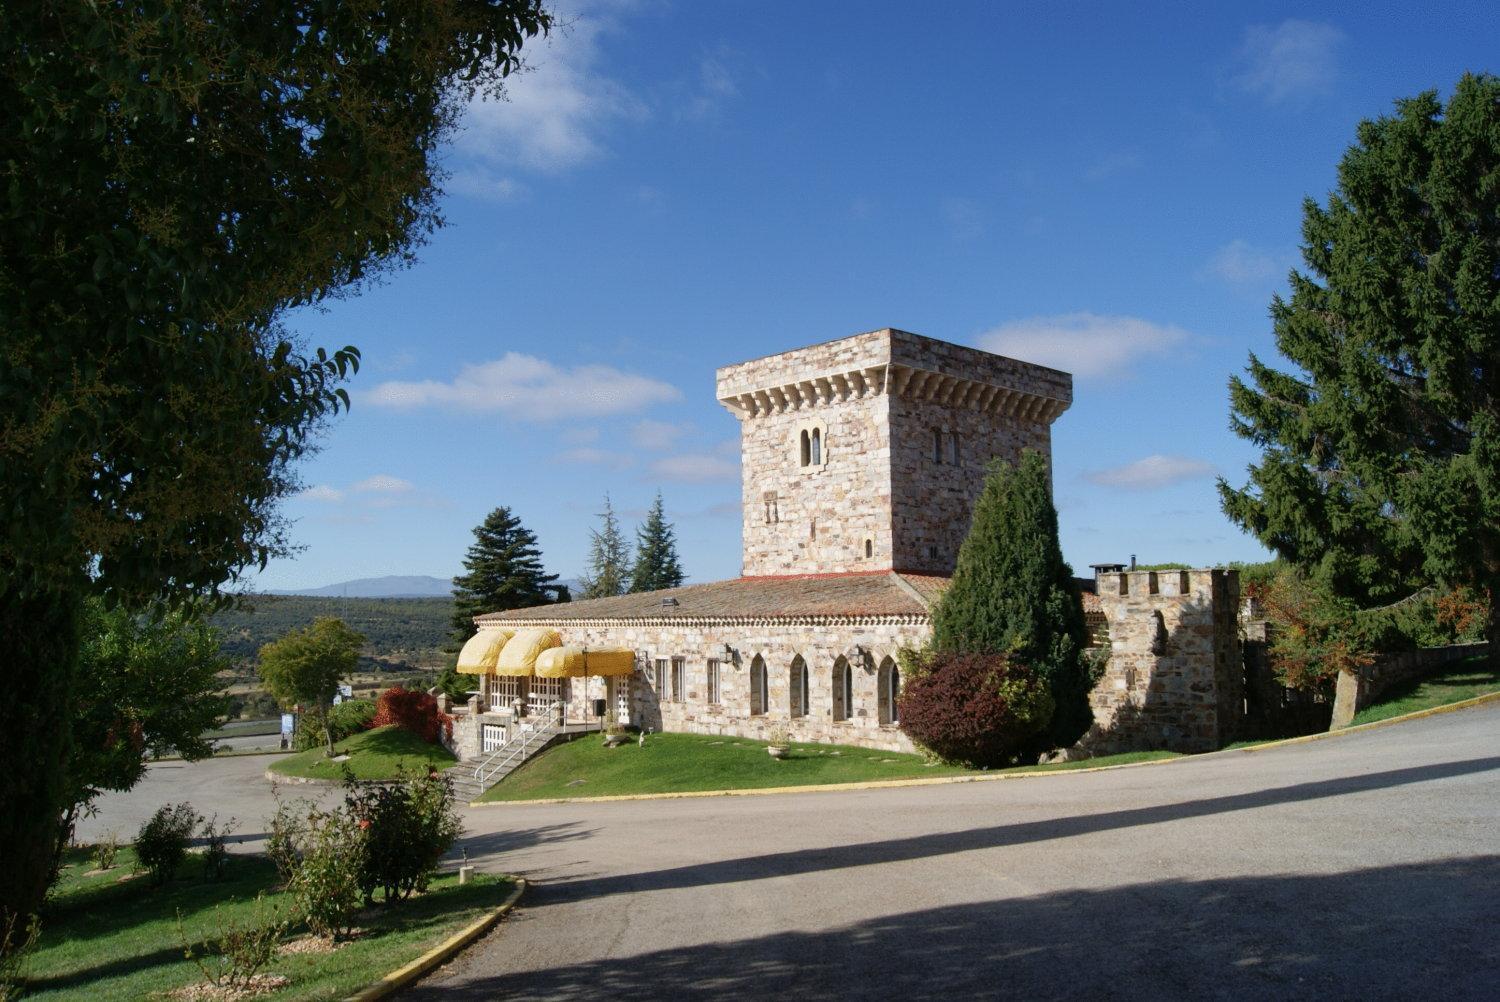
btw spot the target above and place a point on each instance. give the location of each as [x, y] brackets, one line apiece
[520, 743]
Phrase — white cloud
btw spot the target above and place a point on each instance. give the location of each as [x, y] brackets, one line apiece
[1085, 344]
[657, 436]
[1240, 263]
[1152, 472]
[590, 456]
[321, 492]
[1289, 60]
[482, 182]
[556, 110]
[715, 85]
[696, 468]
[382, 483]
[530, 389]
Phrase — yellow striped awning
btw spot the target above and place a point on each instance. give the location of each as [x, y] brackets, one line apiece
[518, 657]
[482, 651]
[576, 662]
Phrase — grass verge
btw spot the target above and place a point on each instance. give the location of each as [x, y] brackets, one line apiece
[105, 940]
[1459, 681]
[691, 763]
[383, 753]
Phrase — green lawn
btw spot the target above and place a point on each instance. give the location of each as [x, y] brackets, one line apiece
[681, 763]
[382, 753]
[1463, 680]
[104, 940]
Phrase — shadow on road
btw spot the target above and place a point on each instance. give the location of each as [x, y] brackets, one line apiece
[780, 864]
[1401, 931]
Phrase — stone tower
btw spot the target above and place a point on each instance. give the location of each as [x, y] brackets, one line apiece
[867, 453]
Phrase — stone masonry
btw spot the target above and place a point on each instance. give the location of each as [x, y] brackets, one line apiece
[1175, 679]
[867, 453]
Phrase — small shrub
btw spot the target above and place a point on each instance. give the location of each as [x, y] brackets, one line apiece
[216, 847]
[326, 879]
[350, 717]
[243, 949]
[162, 842]
[975, 709]
[18, 935]
[286, 838]
[105, 851]
[412, 711]
[407, 829]
[779, 734]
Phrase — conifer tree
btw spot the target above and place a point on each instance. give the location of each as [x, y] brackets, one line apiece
[505, 571]
[1012, 593]
[1381, 465]
[656, 563]
[609, 558]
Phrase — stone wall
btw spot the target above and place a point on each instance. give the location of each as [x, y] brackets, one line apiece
[777, 645]
[1175, 677]
[1355, 691]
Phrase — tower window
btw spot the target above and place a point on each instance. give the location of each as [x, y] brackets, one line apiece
[937, 445]
[869, 548]
[806, 448]
[772, 515]
[817, 447]
[953, 448]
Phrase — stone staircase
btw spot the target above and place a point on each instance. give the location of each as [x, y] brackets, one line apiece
[471, 779]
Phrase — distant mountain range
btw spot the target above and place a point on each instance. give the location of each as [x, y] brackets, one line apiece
[391, 586]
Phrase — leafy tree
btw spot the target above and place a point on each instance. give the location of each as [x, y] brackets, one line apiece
[176, 178]
[978, 709]
[504, 572]
[1012, 593]
[656, 562]
[609, 560]
[1380, 470]
[306, 666]
[147, 685]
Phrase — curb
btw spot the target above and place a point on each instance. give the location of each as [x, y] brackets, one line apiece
[1432, 711]
[887, 784]
[440, 954]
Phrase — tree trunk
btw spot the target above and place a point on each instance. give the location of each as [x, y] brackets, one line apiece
[39, 639]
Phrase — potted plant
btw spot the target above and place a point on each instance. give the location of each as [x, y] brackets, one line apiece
[780, 738]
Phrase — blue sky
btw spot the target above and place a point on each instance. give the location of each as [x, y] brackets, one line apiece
[676, 186]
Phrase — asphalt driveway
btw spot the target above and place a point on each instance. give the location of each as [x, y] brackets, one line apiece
[1367, 866]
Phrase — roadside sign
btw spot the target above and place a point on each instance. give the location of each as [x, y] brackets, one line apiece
[288, 722]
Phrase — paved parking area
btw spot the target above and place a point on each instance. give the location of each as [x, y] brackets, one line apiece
[1367, 866]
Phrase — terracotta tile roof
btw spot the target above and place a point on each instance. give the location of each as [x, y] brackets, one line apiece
[875, 594]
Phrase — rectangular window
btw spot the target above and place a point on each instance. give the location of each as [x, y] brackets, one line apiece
[953, 448]
[663, 691]
[937, 445]
[713, 681]
[679, 682]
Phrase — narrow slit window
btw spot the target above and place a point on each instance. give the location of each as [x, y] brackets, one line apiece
[953, 455]
[806, 448]
[817, 447]
[937, 445]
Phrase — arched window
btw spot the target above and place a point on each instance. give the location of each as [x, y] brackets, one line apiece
[889, 680]
[758, 685]
[798, 687]
[937, 445]
[953, 455]
[817, 447]
[869, 548]
[806, 448]
[843, 689]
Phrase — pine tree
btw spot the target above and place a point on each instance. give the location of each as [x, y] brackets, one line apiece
[1012, 593]
[609, 559]
[656, 563]
[504, 572]
[1381, 465]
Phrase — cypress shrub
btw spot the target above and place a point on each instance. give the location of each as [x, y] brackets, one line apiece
[1012, 593]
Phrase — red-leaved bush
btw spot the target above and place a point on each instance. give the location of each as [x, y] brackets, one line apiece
[413, 711]
[977, 709]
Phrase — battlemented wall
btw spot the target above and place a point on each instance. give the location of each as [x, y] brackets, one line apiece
[1175, 679]
[904, 427]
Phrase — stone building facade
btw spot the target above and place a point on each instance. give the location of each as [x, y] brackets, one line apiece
[861, 460]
